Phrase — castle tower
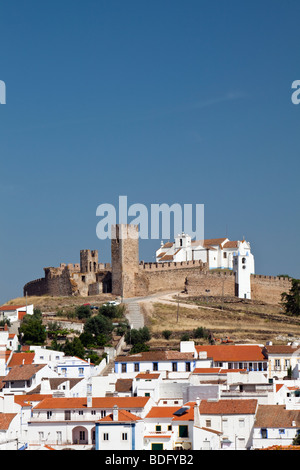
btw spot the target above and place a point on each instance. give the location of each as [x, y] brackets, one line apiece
[88, 261]
[124, 259]
[242, 267]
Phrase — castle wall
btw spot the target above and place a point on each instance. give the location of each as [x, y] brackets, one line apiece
[267, 289]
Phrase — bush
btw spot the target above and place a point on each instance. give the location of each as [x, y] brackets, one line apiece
[142, 335]
[83, 312]
[200, 333]
[185, 337]
[166, 334]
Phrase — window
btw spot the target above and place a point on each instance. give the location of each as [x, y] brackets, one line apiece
[80, 370]
[82, 435]
[124, 368]
[136, 367]
[64, 371]
[80, 412]
[41, 436]
[174, 366]
[208, 423]
[155, 365]
[124, 436]
[183, 431]
[49, 414]
[67, 415]
[281, 431]
[103, 413]
[277, 364]
[188, 367]
[158, 428]
[93, 412]
[241, 423]
[105, 436]
[170, 427]
[58, 437]
[147, 394]
[224, 255]
[264, 433]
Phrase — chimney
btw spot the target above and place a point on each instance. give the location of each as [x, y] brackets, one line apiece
[197, 412]
[115, 413]
[89, 393]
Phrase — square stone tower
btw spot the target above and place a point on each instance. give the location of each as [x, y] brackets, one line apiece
[88, 261]
[124, 259]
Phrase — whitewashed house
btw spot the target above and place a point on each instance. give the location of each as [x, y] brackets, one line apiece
[275, 426]
[15, 313]
[25, 377]
[72, 366]
[155, 362]
[119, 430]
[71, 422]
[233, 418]
[283, 359]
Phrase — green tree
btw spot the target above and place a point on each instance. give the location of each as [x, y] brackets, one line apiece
[74, 348]
[98, 325]
[291, 300]
[32, 330]
[83, 312]
[142, 335]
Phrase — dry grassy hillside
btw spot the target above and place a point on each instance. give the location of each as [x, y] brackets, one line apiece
[241, 321]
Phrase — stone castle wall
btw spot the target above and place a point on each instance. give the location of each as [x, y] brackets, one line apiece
[267, 289]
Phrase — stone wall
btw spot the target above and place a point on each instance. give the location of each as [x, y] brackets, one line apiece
[267, 289]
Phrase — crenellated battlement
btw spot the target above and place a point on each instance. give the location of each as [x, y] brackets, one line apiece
[169, 265]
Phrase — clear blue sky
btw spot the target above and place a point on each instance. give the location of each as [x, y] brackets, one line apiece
[163, 101]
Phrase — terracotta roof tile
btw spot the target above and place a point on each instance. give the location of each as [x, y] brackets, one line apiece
[23, 372]
[5, 420]
[233, 353]
[123, 416]
[155, 356]
[228, 407]
[97, 402]
[18, 358]
[276, 416]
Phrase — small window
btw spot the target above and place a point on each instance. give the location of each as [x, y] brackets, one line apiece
[264, 433]
[136, 367]
[105, 436]
[155, 366]
[183, 431]
[124, 368]
[174, 366]
[124, 436]
[158, 428]
[208, 423]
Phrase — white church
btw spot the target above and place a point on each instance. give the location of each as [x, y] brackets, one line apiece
[218, 253]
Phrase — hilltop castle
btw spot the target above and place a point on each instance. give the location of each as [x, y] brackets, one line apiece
[127, 277]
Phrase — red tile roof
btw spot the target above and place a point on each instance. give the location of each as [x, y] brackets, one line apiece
[228, 407]
[5, 420]
[168, 412]
[8, 308]
[123, 416]
[18, 358]
[276, 416]
[233, 353]
[97, 402]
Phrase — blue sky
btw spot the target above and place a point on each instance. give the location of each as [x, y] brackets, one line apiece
[162, 101]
